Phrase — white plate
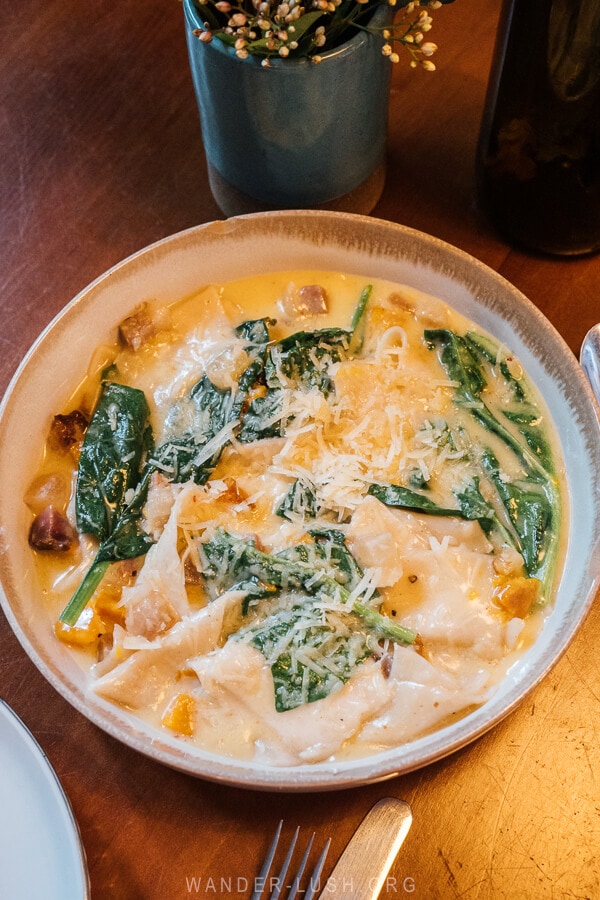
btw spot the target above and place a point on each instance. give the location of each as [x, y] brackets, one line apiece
[41, 856]
[221, 251]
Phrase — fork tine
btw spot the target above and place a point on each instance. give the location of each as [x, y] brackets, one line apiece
[313, 884]
[261, 878]
[301, 868]
[280, 880]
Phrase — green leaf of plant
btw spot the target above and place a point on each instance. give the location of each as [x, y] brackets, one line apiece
[304, 24]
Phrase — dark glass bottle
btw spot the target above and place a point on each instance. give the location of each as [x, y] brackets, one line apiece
[539, 148]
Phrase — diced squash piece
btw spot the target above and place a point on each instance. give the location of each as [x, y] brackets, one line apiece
[106, 603]
[85, 632]
[517, 595]
[179, 714]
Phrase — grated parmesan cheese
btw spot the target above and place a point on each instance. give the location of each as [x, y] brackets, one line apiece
[283, 630]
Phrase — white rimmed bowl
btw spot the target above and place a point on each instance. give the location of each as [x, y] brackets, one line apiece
[235, 248]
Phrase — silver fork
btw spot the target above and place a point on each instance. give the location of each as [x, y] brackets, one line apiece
[278, 883]
[363, 866]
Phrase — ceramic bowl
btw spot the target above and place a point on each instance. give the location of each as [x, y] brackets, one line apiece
[225, 250]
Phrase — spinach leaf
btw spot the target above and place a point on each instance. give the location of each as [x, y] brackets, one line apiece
[473, 506]
[358, 323]
[331, 545]
[312, 649]
[460, 363]
[304, 359]
[256, 332]
[301, 500]
[298, 673]
[255, 591]
[531, 502]
[531, 511]
[261, 413]
[111, 458]
[417, 480]
[484, 346]
[523, 413]
[128, 539]
[261, 417]
[404, 498]
[527, 421]
[459, 358]
[230, 559]
[195, 453]
[110, 492]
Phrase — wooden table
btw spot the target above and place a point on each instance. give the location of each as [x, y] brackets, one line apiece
[100, 155]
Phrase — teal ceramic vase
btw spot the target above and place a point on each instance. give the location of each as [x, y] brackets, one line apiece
[296, 135]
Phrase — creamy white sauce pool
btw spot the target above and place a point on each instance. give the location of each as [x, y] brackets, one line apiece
[178, 646]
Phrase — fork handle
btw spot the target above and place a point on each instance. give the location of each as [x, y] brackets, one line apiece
[361, 870]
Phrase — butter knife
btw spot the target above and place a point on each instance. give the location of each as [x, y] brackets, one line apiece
[590, 359]
[363, 867]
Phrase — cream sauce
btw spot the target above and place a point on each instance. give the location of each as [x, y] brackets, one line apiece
[391, 416]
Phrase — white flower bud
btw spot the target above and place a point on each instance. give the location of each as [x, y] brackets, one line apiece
[428, 48]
